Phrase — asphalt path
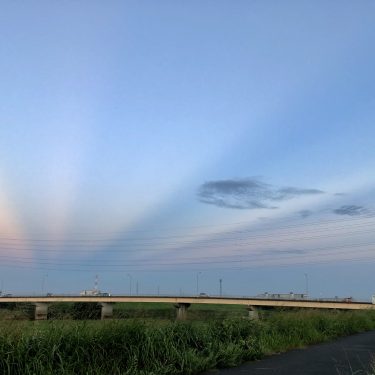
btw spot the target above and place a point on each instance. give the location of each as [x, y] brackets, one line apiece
[350, 355]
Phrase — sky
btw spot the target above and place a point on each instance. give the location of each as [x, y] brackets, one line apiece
[165, 146]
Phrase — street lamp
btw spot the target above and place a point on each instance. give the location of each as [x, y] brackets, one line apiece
[307, 284]
[130, 284]
[198, 273]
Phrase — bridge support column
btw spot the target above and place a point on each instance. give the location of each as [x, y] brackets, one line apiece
[41, 311]
[107, 310]
[253, 313]
[182, 310]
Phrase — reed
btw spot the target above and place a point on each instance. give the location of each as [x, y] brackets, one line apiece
[140, 347]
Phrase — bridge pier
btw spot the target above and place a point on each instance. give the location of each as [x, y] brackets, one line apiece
[41, 311]
[107, 310]
[253, 313]
[182, 310]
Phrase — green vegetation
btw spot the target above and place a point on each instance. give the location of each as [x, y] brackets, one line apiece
[372, 368]
[167, 311]
[140, 347]
[141, 310]
[286, 330]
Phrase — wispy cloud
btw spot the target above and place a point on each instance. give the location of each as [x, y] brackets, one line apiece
[249, 193]
[351, 210]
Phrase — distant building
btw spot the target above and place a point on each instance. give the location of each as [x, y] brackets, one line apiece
[94, 292]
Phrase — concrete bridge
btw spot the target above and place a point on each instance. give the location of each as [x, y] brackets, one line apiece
[183, 303]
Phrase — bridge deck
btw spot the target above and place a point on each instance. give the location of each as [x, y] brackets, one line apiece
[202, 300]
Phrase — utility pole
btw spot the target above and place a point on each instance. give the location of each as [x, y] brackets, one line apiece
[221, 289]
[130, 284]
[43, 281]
[198, 273]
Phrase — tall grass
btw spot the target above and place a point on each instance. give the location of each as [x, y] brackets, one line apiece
[283, 331]
[134, 347]
[371, 370]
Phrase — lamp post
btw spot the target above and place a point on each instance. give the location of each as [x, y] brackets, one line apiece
[307, 284]
[198, 273]
[130, 284]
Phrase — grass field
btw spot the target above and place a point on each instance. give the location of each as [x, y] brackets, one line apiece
[159, 346]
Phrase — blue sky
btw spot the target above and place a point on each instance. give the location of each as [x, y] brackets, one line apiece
[158, 141]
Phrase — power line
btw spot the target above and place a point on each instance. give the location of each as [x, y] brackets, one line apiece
[247, 267]
[266, 252]
[196, 261]
[153, 238]
[238, 241]
[368, 215]
[222, 235]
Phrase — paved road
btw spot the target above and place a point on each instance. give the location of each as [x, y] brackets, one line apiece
[347, 356]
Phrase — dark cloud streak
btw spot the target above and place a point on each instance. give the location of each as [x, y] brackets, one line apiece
[350, 210]
[250, 193]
